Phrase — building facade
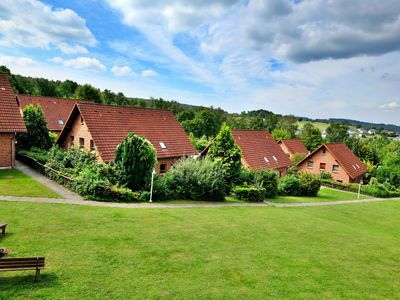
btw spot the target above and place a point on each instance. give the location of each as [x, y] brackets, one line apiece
[337, 160]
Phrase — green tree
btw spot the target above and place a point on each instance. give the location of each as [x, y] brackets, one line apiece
[227, 153]
[311, 137]
[45, 87]
[38, 134]
[67, 88]
[204, 123]
[280, 134]
[289, 125]
[88, 92]
[136, 157]
[336, 133]
[108, 97]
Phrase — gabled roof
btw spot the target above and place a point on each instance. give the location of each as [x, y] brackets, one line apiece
[295, 146]
[345, 157]
[109, 125]
[55, 110]
[260, 150]
[10, 115]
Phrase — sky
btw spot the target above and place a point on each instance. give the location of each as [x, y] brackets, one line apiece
[312, 58]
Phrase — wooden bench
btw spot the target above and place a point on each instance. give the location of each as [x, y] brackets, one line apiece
[21, 264]
[3, 228]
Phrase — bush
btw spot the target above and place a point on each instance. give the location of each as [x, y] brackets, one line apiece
[290, 185]
[196, 180]
[36, 153]
[310, 184]
[250, 193]
[325, 176]
[268, 180]
[160, 189]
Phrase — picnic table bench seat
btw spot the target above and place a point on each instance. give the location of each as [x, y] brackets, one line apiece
[3, 228]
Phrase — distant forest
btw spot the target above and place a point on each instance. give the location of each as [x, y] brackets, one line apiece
[198, 120]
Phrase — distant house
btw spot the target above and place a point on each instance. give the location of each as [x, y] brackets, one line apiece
[101, 128]
[55, 110]
[324, 134]
[336, 159]
[261, 151]
[372, 131]
[293, 146]
[11, 122]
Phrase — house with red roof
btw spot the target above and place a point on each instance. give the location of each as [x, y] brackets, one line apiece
[55, 110]
[261, 151]
[293, 146]
[11, 122]
[101, 128]
[336, 159]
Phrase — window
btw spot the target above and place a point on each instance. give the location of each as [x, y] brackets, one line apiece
[92, 146]
[322, 166]
[335, 168]
[60, 122]
[81, 120]
[275, 159]
[162, 145]
[81, 142]
[324, 150]
[310, 164]
[163, 168]
[266, 160]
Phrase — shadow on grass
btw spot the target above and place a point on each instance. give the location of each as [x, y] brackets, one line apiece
[19, 283]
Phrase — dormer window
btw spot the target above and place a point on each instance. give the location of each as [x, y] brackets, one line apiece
[162, 145]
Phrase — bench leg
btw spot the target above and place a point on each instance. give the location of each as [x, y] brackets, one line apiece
[37, 274]
[3, 231]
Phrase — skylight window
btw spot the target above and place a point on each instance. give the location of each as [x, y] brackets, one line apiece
[275, 159]
[162, 145]
[60, 122]
[357, 166]
[266, 159]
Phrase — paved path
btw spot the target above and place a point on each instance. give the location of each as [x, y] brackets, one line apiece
[331, 202]
[59, 189]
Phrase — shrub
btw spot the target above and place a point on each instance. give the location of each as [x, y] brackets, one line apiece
[36, 153]
[290, 185]
[196, 180]
[136, 156]
[246, 176]
[160, 189]
[310, 184]
[250, 193]
[268, 180]
[325, 176]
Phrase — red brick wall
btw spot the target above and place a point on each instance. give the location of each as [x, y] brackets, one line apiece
[320, 157]
[6, 155]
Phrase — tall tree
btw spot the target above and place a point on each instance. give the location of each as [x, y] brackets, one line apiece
[136, 157]
[336, 133]
[311, 137]
[224, 150]
[88, 92]
[38, 134]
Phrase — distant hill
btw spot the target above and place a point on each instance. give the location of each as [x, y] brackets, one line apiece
[356, 123]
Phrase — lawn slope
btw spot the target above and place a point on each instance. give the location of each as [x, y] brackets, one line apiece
[348, 251]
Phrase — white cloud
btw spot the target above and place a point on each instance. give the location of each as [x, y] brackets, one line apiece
[87, 63]
[149, 73]
[11, 61]
[32, 24]
[121, 71]
[389, 107]
[72, 49]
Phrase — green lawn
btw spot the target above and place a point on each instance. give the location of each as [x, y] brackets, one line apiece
[324, 195]
[334, 252]
[15, 183]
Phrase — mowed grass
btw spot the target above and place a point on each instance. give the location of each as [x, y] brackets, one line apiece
[335, 252]
[324, 195]
[15, 183]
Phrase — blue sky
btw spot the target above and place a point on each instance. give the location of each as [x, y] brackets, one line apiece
[310, 58]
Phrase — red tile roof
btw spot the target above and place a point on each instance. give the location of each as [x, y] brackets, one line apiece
[10, 115]
[109, 125]
[54, 109]
[260, 150]
[295, 146]
[347, 159]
